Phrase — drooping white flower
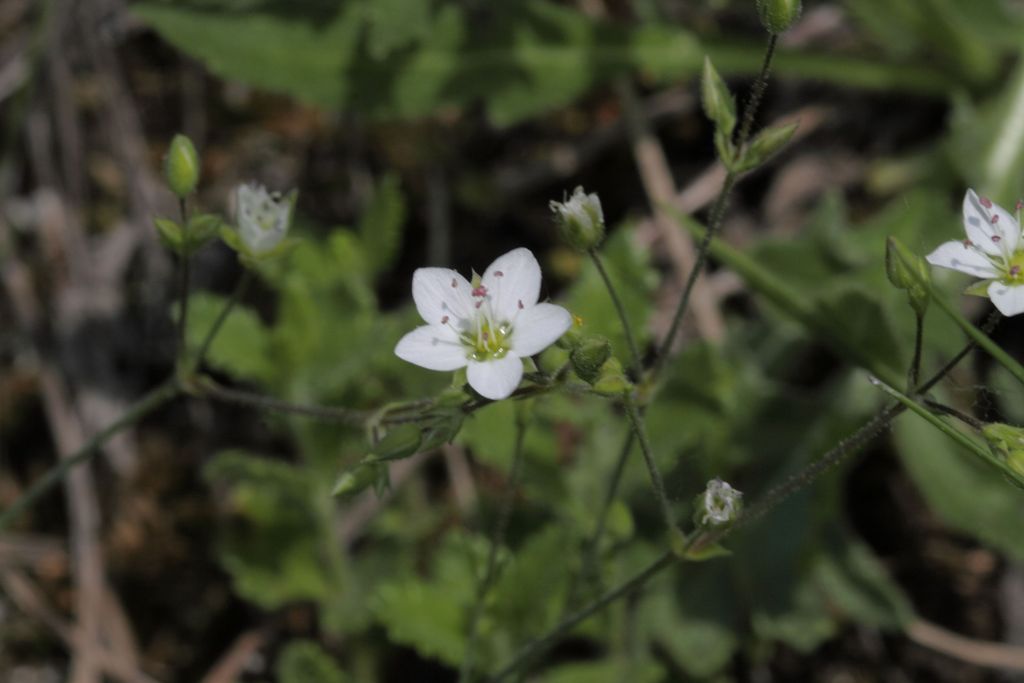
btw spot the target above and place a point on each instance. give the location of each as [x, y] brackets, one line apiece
[581, 219]
[993, 251]
[720, 503]
[488, 326]
[263, 217]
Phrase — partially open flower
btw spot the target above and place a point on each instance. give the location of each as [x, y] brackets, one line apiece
[993, 251]
[580, 219]
[263, 217]
[488, 326]
[719, 504]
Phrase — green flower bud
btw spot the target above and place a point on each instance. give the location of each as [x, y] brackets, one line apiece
[778, 15]
[588, 356]
[181, 166]
[718, 102]
[719, 504]
[908, 271]
[612, 381]
[580, 220]
[1006, 443]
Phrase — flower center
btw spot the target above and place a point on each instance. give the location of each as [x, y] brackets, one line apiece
[1015, 268]
[483, 334]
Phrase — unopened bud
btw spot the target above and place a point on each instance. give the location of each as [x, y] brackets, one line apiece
[768, 142]
[364, 475]
[908, 271]
[612, 381]
[719, 504]
[1007, 443]
[588, 356]
[718, 102]
[181, 166]
[580, 220]
[778, 15]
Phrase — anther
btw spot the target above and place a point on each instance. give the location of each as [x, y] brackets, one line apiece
[1020, 204]
[996, 238]
[480, 291]
[498, 273]
[986, 202]
[968, 244]
[995, 219]
[1014, 271]
[520, 302]
[477, 304]
[444, 320]
[455, 283]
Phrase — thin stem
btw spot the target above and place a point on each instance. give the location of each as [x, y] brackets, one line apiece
[979, 336]
[953, 412]
[619, 308]
[757, 92]
[694, 542]
[212, 389]
[183, 268]
[538, 646]
[915, 363]
[718, 209]
[497, 540]
[236, 296]
[657, 483]
[147, 404]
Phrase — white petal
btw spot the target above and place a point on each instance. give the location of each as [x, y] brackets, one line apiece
[434, 347]
[1007, 227]
[957, 256]
[539, 327]
[1009, 299]
[495, 379]
[986, 235]
[519, 282]
[440, 292]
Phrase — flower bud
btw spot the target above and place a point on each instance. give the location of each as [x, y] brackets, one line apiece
[588, 356]
[719, 504]
[580, 220]
[908, 271]
[181, 166]
[365, 474]
[778, 15]
[263, 217]
[400, 442]
[612, 381]
[718, 102]
[768, 142]
[1007, 443]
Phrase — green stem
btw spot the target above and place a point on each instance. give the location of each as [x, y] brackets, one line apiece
[497, 540]
[183, 268]
[538, 646]
[915, 363]
[979, 337]
[952, 432]
[147, 404]
[942, 408]
[718, 209]
[208, 387]
[657, 483]
[236, 296]
[619, 308]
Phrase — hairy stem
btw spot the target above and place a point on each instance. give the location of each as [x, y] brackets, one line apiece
[620, 309]
[210, 388]
[497, 540]
[718, 208]
[147, 404]
[657, 483]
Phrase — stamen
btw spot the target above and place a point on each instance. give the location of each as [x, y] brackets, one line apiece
[968, 244]
[480, 291]
[995, 219]
[478, 303]
[444, 320]
[455, 283]
[986, 202]
[1020, 204]
[520, 304]
[498, 273]
[1014, 271]
[996, 238]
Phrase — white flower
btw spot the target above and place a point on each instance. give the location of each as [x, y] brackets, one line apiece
[488, 326]
[721, 503]
[993, 251]
[263, 217]
[581, 219]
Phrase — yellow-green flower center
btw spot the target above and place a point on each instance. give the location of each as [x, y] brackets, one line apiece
[488, 341]
[1015, 268]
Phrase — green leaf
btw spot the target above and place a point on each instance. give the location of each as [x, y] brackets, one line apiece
[519, 58]
[381, 224]
[764, 145]
[304, 661]
[170, 234]
[271, 543]
[608, 671]
[718, 102]
[242, 346]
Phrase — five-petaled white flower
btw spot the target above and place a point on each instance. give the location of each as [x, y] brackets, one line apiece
[263, 217]
[488, 326]
[993, 250]
[721, 503]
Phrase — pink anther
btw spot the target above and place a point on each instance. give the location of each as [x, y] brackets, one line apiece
[986, 202]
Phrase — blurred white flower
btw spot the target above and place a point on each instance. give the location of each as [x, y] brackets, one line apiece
[263, 217]
[488, 326]
[993, 251]
[721, 503]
